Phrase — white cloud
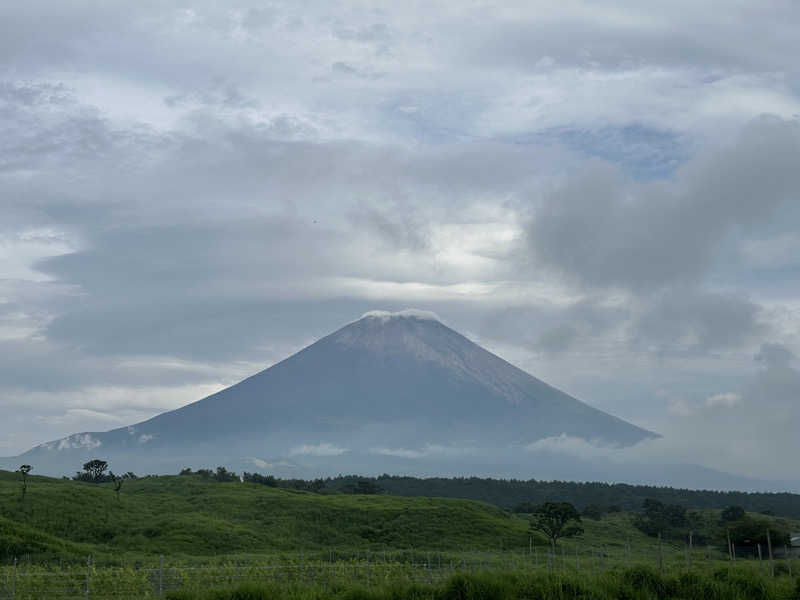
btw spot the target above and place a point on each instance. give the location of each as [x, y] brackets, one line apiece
[323, 449]
[726, 400]
[400, 452]
[80, 440]
[574, 446]
[426, 450]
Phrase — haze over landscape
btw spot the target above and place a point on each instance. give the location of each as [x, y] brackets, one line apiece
[598, 202]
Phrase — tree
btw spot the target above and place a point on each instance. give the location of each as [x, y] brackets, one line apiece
[659, 518]
[118, 481]
[268, 480]
[223, 475]
[96, 468]
[732, 513]
[24, 470]
[594, 512]
[556, 520]
[94, 471]
[750, 532]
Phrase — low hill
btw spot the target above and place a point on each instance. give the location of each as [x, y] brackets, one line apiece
[189, 515]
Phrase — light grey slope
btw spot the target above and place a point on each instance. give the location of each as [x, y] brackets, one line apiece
[383, 383]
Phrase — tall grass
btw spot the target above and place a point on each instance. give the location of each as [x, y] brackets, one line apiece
[636, 583]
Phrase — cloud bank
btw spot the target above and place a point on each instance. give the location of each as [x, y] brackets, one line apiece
[603, 195]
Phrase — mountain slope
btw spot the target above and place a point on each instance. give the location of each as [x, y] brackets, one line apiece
[397, 389]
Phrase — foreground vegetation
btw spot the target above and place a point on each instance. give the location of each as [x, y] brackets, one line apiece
[344, 581]
[639, 583]
[208, 535]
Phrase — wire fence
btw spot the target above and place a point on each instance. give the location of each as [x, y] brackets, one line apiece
[21, 580]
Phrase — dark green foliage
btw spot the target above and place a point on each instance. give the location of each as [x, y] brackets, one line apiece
[362, 486]
[669, 520]
[94, 471]
[638, 583]
[511, 493]
[470, 587]
[556, 520]
[594, 511]
[646, 579]
[260, 479]
[224, 476]
[732, 513]
[749, 532]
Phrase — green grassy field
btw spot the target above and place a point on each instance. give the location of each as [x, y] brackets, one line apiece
[190, 516]
[188, 533]
[194, 517]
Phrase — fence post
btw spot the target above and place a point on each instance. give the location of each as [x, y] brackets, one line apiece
[660, 553]
[369, 577]
[161, 576]
[769, 548]
[788, 558]
[628, 552]
[88, 574]
[14, 583]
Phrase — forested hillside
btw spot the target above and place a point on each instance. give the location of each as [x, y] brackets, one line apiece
[510, 493]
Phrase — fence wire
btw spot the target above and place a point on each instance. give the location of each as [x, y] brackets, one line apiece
[21, 580]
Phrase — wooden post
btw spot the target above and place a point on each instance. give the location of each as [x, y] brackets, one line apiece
[161, 577]
[760, 563]
[428, 567]
[88, 574]
[769, 549]
[530, 545]
[730, 547]
[660, 553]
[14, 582]
[788, 558]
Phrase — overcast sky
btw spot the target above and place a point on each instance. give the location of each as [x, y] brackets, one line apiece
[603, 193]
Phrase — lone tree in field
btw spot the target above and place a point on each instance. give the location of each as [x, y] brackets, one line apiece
[94, 471]
[24, 470]
[556, 520]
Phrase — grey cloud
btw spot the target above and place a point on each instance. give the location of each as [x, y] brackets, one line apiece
[775, 356]
[556, 328]
[620, 35]
[558, 339]
[689, 320]
[603, 230]
[222, 194]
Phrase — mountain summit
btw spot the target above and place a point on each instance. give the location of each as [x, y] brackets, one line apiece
[388, 391]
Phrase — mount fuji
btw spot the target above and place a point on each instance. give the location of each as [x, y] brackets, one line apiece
[390, 392]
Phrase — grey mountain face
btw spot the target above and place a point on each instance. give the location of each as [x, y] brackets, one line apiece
[390, 392]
